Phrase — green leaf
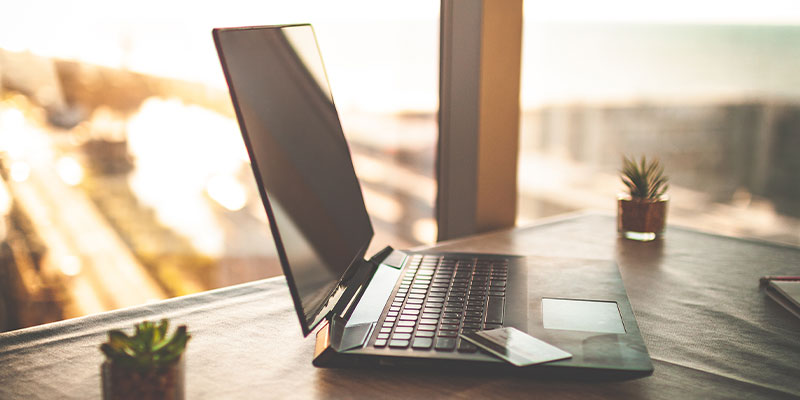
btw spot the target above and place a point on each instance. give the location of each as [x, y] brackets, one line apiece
[642, 178]
[150, 346]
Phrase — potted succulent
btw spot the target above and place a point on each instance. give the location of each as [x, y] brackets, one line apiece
[642, 212]
[145, 365]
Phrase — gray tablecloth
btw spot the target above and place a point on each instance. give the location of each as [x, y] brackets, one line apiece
[712, 333]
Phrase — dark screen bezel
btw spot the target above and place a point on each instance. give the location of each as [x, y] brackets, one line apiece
[308, 321]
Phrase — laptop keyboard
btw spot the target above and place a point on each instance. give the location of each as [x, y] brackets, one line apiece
[441, 297]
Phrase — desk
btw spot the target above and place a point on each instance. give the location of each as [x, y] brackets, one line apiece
[710, 331]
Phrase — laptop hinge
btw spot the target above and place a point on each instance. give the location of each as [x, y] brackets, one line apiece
[380, 256]
[357, 284]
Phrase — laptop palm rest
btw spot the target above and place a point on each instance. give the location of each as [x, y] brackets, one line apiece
[373, 300]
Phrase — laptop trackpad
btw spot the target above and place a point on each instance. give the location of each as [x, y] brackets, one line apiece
[582, 315]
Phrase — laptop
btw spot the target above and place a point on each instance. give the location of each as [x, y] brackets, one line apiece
[404, 308]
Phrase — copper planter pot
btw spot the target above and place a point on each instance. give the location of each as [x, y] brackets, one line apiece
[641, 219]
[120, 383]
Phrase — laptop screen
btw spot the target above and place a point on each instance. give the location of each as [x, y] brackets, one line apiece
[299, 157]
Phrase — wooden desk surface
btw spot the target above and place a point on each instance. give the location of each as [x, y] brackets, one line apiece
[710, 331]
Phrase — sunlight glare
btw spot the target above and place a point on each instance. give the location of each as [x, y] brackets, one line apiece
[20, 171]
[227, 192]
[69, 170]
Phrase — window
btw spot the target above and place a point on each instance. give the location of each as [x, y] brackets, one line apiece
[125, 178]
[710, 89]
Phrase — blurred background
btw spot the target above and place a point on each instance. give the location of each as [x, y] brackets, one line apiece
[125, 179]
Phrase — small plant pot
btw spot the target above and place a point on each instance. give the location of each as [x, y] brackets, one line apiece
[641, 219]
[121, 383]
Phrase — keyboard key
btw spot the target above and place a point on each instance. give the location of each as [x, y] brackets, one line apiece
[429, 321]
[426, 327]
[494, 310]
[411, 312]
[422, 343]
[406, 323]
[447, 344]
[451, 334]
[397, 343]
[415, 301]
[436, 310]
[413, 306]
[408, 318]
[401, 336]
[475, 305]
[497, 293]
[424, 334]
[477, 314]
[448, 327]
[423, 286]
[380, 343]
[451, 321]
[383, 336]
[404, 329]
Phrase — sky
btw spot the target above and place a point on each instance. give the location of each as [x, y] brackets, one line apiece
[172, 38]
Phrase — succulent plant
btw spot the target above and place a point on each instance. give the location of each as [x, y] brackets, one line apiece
[645, 180]
[147, 349]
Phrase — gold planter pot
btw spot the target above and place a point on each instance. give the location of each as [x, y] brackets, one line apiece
[641, 219]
